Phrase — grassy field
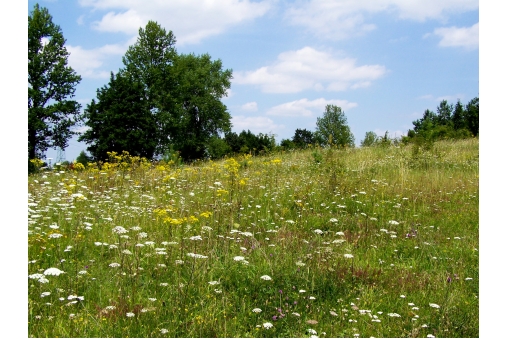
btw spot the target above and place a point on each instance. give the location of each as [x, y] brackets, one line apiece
[365, 242]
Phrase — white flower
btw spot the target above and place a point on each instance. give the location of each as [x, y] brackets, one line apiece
[318, 231]
[266, 277]
[119, 230]
[402, 296]
[256, 310]
[126, 252]
[55, 235]
[45, 294]
[333, 313]
[430, 336]
[218, 291]
[434, 305]
[213, 282]
[302, 291]
[394, 315]
[296, 314]
[130, 314]
[238, 258]
[267, 325]
[339, 233]
[469, 279]
[179, 262]
[197, 256]
[312, 298]
[393, 222]
[311, 331]
[164, 331]
[114, 264]
[300, 263]
[333, 220]
[348, 256]
[196, 237]
[53, 271]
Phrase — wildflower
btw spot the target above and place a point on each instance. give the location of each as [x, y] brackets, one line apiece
[218, 291]
[45, 294]
[312, 298]
[256, 310]
[267, 325]
[393, 222]
[296, 314]
[300, 263]
[55, 235]
[196, 237]
[469, 279]
[318, 231]
[197, 256]
[53, 271]
[348, 256]
[396, 315]
[164, 331]
[333, 313]
[127, 252]
[434, 305]
[238, 258]
[179, 262]
[302, 291]
[119, 230]
[130, 314]
[430, 336]
[311, 331]
[339, 233]
[334, 220]
[114, 264]
[402, 296]
[312, 322]
[213, 282]
[266, 277]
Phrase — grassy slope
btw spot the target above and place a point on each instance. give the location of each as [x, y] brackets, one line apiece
[409, 218]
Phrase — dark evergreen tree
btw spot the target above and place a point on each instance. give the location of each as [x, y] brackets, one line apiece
[303, 138]
[472, 115]
[120, 120]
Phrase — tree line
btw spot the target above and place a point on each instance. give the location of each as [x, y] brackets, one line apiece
[162, 103]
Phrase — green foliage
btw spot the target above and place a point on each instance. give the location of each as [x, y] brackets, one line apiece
[217, 148]
[178, 98]
[449, 123]
[51, 84]
[120, 120]
[83, 158]
[248, 142]
[333, 127]
[303, 138]
[370, 139]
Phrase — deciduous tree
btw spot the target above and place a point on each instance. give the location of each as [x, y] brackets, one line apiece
[51, 85]
[334, 128]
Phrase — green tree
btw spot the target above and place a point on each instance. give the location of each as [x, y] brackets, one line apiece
[183, 91]
[201, 85]
[444, 113]
[51, 84]
[83, 158]
[458, 116]
[370, 139]
[334, 128]
[303, 138]
[120, 120]
[472, 115]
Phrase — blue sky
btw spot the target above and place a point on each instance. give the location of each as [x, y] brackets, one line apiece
[384, 62]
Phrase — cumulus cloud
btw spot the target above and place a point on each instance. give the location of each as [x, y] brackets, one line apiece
[88, 62]
[256, 125]
[307, 108]
[467, 37]
[337, 20]
[190, 20]
[308, 68]
[250, 106]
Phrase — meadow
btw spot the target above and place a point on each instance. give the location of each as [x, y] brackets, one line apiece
[363, 242]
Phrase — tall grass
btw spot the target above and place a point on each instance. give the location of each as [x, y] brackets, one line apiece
[364, 242]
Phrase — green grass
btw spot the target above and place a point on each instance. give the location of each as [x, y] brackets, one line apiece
[408, 216]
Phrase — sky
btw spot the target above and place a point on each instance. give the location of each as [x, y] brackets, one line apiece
[383, 62]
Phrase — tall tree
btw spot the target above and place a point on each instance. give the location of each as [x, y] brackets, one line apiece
[473, 116]
[334, 128]
[51, 84]
[370, 139]
[444, 113]
[120, 120]
[458, 116]
[183, 91]
[201, 85]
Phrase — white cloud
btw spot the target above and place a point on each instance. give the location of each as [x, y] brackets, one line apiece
[256, 125]
[308, 68]
[88, 62]
[250, 106]
[467, 37]
[306, 108]
[337, 20]
[190, 20]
